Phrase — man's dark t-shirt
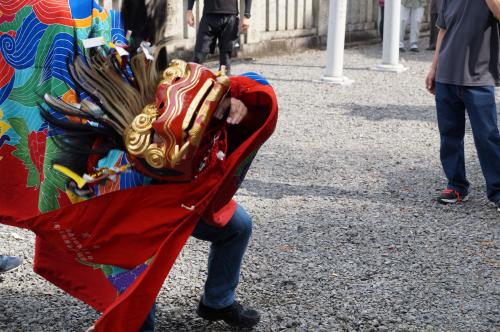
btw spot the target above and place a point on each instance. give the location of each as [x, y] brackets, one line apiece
[221, 6]
[469, 53]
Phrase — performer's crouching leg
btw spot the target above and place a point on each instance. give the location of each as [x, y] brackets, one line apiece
[228, 247]
[224, 263]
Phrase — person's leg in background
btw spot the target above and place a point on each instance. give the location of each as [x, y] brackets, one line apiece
[482, 111]
[415, 25]
[433, 32]
[381, 24]
[405, 16]
[451, 123]
[204, 38]
[228, 36]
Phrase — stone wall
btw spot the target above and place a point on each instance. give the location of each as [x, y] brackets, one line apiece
[277, 25]
[280, 25]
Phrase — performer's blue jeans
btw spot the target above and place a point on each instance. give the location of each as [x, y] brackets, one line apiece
[451, 103]
[228, 247]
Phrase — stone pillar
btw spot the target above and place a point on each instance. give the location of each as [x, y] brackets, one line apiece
[257, 23]
[309, 14]
[290, 19]
[271, 16]
[299, 14]
[323, 10]
[335, 43]
[390, 48]
[281, 14]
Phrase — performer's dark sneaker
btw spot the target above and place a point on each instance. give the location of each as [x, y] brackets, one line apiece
[450, 196]
[235, 315]
[9, 263]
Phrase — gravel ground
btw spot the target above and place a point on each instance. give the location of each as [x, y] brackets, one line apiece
[347, 235]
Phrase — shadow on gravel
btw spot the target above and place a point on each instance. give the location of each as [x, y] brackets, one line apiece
[375, 52]
[389, 112]
[274, 190]
[309, 80]
[193, 324]
[293, 65]
[276, 79]
[29, 311]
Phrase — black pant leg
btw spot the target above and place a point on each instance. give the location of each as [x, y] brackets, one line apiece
[228, 36]
[433, 31]
[204, 38]
[381, 24]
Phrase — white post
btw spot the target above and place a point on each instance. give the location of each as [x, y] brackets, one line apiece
[335, 43]
[390, 47]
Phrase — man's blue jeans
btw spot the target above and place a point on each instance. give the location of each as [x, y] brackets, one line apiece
[451, 103]
[228, 247]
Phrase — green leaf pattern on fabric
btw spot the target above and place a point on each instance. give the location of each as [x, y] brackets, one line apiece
[28, 93]
[18, 20]
[22, 150]
[53, 180]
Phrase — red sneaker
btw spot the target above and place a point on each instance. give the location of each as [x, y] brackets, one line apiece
[450, 196]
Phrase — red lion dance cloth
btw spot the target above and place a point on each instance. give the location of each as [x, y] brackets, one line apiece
[114, 247]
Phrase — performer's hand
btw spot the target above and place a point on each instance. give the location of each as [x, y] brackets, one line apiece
[190, 18]
[237, 112]
[245, 23]
[430, 81]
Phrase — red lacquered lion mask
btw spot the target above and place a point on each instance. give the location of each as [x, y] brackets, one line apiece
[171, 139]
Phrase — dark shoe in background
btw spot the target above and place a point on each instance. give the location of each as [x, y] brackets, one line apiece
[402, 49]
[235, 315]
[9, 263]
[414, 49]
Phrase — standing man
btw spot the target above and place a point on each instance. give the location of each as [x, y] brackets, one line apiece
[219, 22]
[413, 11]
[464, 72]
[435, 8]
[9, 263]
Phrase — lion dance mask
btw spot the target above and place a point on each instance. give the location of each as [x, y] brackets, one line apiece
[171, 122]
[171, 139]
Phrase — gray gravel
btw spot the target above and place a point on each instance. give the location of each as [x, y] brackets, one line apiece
[346, 233]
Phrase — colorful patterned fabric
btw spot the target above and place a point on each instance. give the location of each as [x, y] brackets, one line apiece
[37, 38]
[112, 251]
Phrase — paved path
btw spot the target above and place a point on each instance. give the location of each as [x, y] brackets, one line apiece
[346, 233]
